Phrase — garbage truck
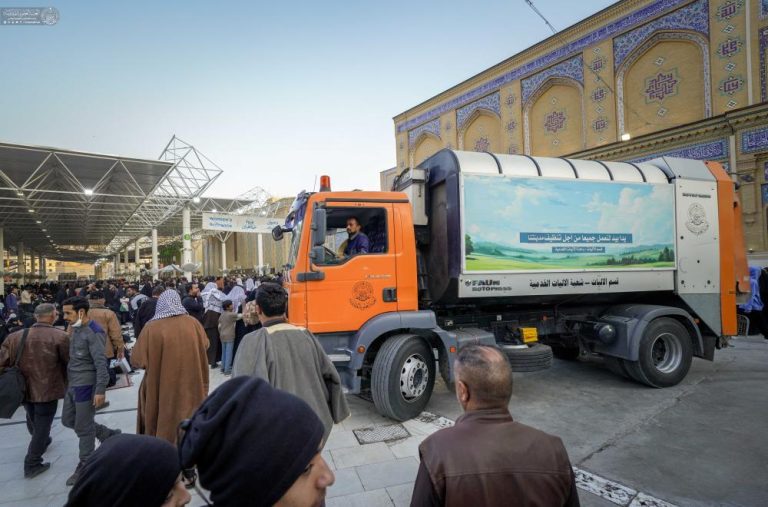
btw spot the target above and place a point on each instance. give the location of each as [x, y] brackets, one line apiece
[641, 263]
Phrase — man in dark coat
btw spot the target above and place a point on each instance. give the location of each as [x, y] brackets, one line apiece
[193, 303]
[147, 288]
[44, 366]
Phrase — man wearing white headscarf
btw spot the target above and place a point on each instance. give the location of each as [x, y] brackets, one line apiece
[237, 296]
[172, 350]
[212, 300]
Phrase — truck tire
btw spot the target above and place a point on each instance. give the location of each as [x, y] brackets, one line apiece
[528, 358]
[664, 356]
[616, 365]
[403, 377]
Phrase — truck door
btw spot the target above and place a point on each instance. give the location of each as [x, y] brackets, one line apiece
[355, 286]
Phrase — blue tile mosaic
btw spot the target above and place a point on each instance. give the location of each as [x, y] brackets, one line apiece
[572, 68]
[432, 127]
[764, 8]
[763, 33]
[694, 17]
[713, 150]
[764, 192]
[492, 103]
[754, 140]
[635, 18]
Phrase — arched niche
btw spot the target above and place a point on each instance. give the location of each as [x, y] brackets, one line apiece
[481, 132]
[426, 145]
[554, 118]
[664, 83]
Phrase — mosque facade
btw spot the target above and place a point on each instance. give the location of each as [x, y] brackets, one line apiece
[638, 80]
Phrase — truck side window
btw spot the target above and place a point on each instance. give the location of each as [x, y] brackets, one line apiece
[354, 231]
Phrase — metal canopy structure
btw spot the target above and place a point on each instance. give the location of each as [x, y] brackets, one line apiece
[70, 205]
[190, 174]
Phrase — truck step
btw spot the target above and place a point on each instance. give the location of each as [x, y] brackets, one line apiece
[340, 358]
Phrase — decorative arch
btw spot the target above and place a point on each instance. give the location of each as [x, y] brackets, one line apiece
[481, 131]
[557, 118]
[651, 42]
[425, 145]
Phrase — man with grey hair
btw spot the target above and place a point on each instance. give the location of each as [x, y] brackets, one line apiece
[487, 458]
[43, 362]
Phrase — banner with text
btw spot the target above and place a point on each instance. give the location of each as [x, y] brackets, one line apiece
[238, 223]
[537, 224]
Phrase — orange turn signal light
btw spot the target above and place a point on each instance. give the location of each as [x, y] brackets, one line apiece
[452, 349]
[361, 349]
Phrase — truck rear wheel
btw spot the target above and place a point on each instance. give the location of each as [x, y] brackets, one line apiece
[524, 358]
[403, 377]
[665, 354]
[616, 365]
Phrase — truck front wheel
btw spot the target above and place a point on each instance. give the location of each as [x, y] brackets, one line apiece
[403, 377]
[664, 356]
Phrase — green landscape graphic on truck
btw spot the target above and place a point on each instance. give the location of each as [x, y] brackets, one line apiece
[523, 224]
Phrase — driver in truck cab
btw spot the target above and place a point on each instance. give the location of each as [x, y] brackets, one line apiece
[358, 242]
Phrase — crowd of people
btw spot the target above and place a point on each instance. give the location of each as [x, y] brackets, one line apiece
[257, 439]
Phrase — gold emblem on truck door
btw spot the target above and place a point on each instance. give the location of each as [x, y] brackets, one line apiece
[362, 296]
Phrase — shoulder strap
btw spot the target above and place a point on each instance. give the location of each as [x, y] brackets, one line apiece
[21, 346]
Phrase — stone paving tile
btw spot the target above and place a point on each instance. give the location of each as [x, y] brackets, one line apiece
[347, 483]
[401, 495]
[361, 455]
[40, 501]
[391, 473]
[417, 428]
[407, 447]
[56, 484]
[354, 422]
[377, 498]
[339, 438]
[328, 459]
[18, 490]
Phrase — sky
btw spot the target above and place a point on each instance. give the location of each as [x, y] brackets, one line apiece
[538, 205]
[275, 93]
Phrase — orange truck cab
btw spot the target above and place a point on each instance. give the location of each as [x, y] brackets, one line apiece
[481, 248]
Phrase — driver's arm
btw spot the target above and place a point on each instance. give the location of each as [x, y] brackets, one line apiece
[342, 248]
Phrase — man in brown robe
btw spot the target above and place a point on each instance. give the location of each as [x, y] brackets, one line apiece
[172, 350]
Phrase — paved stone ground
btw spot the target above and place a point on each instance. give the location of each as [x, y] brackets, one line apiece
[703, 442]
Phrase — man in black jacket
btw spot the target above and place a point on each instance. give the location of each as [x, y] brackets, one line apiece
[146, 289]
[193, 303]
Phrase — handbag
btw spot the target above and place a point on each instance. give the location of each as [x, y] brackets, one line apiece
[13, 386]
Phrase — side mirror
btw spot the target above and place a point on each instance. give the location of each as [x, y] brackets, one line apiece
[317, 254]
[277, 233]
[318, 227]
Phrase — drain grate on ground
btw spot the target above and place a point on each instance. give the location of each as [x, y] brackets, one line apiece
[376, 434]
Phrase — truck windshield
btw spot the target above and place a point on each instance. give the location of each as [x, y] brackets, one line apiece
[293, 223]
[295, 241]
